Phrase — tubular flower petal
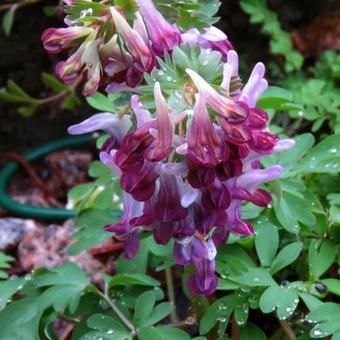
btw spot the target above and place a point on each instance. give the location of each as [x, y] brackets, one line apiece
[216, 40]
[137, 46]
[163, 131]
[163, 35]
[205, 146]
[233, 112]
[108, 122]
[56, 40]
[168, 207]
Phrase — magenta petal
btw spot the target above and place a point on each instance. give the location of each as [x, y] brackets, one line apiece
[205, 146]
[168, 207]
[161, 145]
[131, 246]
[163, 35]
[56, 40]
[200, 177]
[220, 236]
[263, 142]
[143, 116]
[199, 249]
[204, 281]
[215, 197]
[108, 122]
[182, 252]
[140, 184]
[137, 46]
[163, 233]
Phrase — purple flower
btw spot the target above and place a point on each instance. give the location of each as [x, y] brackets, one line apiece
[56, 40]
[168, 207]
[233, 112]
[205, 145]
[213, 39]
[124, 230]
[136, 44]
[163, 35]
[204, 281]
[200, 253]
[110, 123]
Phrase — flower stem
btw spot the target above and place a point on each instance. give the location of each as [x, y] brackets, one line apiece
[171, 293]
[235, 330]
[118, 312]
[287, 329]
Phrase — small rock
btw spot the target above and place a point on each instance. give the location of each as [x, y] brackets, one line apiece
[47, 247]
[12, 231]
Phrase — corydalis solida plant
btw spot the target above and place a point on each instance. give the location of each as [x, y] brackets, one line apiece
[106, 51]
[184, 173]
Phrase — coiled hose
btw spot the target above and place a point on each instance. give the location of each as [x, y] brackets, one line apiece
[30, 211]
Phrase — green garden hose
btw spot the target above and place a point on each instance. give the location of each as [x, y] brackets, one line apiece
[9, 170]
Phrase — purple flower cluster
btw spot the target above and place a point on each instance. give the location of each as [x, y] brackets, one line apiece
[186, 175]
[105, 51]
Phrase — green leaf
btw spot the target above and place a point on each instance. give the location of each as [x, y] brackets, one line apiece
[286, 256]
[333, 285]
[274, 97]
[11, 98]
[27, 111]
[139, 263]
[256, 277]
[4, 263]
[327, 320]
[101, 102]
[321, 255]
[15, 89]
[170, 333]
[108, 327]
[241, 314]
[98, 169]
[52, 82]
[266, 243]
[251, 331]
[20, 320]
[8, 288]
[133, 279]
[219, 311]
[310, 301]
[91, 222]
[143, 308]
[283, 299]
[8, 19]
[64, 292]
[160, 312]
[149, 334]
[323, 158]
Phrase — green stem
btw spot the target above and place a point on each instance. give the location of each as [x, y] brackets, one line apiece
[171, 293]
[118, 312]
[287, 329]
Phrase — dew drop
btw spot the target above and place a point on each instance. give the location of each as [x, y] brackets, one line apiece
[333, 150]
[28, 277]
[110, 331]
[161, 73]
[169, 78]
[205, 62]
